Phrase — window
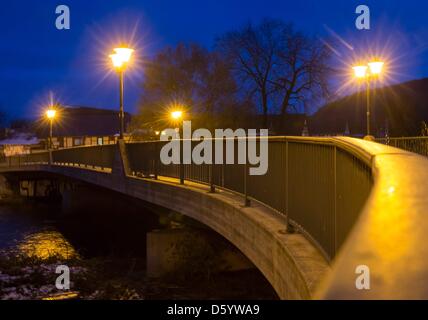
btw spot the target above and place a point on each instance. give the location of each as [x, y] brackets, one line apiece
[77, 141]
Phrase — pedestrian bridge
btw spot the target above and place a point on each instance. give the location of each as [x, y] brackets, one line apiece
[325, 207]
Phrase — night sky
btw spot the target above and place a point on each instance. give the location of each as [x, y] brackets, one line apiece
[36, 58]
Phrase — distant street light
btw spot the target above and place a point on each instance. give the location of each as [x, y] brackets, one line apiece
[120, 60]
[50, 114]
[369, 72]
[360, 71]
[176, 115]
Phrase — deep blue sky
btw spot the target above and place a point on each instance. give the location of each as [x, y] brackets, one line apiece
[36, 58]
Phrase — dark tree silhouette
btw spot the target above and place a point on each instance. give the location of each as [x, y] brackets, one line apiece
[284, 68]
[191, 76]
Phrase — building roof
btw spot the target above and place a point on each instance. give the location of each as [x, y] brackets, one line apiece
[20, 139]
[86, 121]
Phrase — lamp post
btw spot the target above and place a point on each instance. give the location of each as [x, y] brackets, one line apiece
[176, 118]
[120, 60]
[369, 72]
[50, 114]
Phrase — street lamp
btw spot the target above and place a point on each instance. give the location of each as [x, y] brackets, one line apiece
[50, 114]
[369, 72]
[120, 59]
[176, 115]
[176, 118]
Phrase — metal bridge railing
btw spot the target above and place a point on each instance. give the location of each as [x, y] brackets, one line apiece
[319, 186]
[87, 156]
[26, 159]
[417, 145]
[93, 156]
[366, 198]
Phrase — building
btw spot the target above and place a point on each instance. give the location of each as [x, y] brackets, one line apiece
[78, 126]
[19, 143]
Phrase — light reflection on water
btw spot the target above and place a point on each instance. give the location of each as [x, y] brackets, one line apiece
[47, 244]
[30, 231]
[116, 240]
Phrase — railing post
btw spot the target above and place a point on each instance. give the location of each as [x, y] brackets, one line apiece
[335, 203]
[156, 160]
[247, 201]
[223, 161]
[290, 227]
[212, 183]
[181, 165]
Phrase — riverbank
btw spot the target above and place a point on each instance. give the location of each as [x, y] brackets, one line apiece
[105, 252]
[24, 278]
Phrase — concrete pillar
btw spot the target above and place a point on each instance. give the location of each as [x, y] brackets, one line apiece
[8, 187]
[162, 251]
[165, 252]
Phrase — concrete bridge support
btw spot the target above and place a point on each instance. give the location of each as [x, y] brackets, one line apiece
[169, 251]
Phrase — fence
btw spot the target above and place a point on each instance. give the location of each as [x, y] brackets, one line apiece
[30, 158]
[319, 186]
[417, 145]
[101, 156]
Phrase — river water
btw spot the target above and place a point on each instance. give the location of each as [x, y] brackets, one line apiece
[106, 254]
[31, 229]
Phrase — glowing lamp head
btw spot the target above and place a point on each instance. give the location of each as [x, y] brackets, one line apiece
[376, 67]
[176, 115]
[360, 71]
[124, 53]
[116, 60]
[50, 114]
[121, 57]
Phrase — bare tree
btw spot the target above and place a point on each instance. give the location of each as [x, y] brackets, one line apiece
[302, 72]
[252, 52]
[285, 68]
[191, 76]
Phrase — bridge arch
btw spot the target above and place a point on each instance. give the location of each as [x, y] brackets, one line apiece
[288, 261]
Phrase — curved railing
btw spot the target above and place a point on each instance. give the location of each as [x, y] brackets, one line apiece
[388, 244]
[368, 199]
[417, 145]
[319, 184]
